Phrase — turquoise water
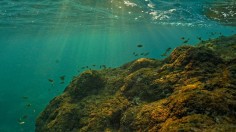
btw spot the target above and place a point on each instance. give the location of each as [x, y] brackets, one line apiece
[49, 39]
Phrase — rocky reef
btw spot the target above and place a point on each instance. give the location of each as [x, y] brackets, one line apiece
[193, 89]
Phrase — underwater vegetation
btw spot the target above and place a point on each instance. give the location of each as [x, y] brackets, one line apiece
[192, 89]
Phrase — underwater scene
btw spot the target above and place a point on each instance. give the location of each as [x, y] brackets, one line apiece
[117, 65]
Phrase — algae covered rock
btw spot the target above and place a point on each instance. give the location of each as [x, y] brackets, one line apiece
[194, 89]
[223, 46]
[191, 58]
[89, 82]
[142, 63]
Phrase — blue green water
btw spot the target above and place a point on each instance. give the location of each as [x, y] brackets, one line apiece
[51, 38]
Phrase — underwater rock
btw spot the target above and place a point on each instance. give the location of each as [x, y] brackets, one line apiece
[89, 82]
[223, 46]
[142, 63]
[194, 89]
[188, 57]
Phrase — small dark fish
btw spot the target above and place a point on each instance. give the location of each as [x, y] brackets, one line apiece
[199, 38]
[139, 45]
[25, 97]
[82, 67]
[186, 41]
[182, 38]
[78, 71]
[93, 65]
[146, 54]
[142, 54]
[166, 52]
[136, 55]
[28, 105]
[87, 67]
[133, 53]
[168, 49]
[51, 81]
[62, 77]
[24, 117]
[103, 66]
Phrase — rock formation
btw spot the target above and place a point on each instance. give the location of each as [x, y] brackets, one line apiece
[194, 89]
